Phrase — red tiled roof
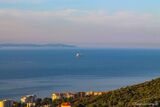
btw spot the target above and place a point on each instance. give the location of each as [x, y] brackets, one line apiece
[66, 104]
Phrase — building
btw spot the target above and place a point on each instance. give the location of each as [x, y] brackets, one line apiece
[90, 93]
[68, 95]
[6, 103]
[28, 99]
[97, 93]
[31, 104]
[48, 105]
[56, 96]
[80, 94]
[66, 104]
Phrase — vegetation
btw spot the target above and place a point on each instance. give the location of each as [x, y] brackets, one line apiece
[145, 94]
[142, 95]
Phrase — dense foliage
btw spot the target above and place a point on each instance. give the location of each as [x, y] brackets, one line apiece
[146, 94]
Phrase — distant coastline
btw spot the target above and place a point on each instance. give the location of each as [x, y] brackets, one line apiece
[12, 45]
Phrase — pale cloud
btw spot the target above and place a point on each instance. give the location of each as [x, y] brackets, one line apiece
[97, 17]
[21, 1]
[80, 27]
[29, 14]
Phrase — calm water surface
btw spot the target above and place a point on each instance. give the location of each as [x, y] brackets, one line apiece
[44, 71]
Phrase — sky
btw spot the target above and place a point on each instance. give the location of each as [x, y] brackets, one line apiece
[90, 23]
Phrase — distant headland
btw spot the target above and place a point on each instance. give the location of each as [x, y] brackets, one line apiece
[32, 45]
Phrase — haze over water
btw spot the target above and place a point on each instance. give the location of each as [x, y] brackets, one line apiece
[44, 71]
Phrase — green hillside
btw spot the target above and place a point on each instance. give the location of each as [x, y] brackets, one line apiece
[145, 94]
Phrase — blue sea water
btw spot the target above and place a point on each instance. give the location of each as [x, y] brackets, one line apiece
[43, 71]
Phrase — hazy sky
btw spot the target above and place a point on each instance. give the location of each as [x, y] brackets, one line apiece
[102, 23]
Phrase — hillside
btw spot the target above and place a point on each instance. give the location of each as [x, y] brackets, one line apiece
[144, 94]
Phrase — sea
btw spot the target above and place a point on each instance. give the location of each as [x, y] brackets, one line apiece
[46, 71]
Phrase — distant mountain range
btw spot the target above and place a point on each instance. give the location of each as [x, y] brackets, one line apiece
[36, 45]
